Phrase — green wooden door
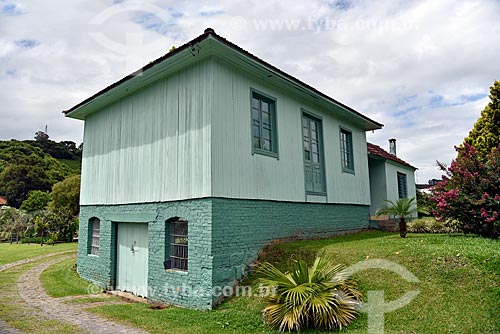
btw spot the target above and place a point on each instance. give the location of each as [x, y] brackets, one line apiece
[313, 155]
[132, 258]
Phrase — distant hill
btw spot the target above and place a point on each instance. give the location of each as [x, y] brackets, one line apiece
[35, 165]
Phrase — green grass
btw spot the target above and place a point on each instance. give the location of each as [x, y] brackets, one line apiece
[459, 287]
[16, 314]
[62, 280]
[15, 252]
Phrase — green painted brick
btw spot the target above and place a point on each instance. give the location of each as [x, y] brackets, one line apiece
[225, 235]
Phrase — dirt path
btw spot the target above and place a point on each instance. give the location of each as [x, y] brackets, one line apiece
[31, 291]
[32, 259]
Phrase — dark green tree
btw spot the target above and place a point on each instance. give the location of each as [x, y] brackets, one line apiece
[65, 196]
[41, 136]
[37, 200]
[485, 136]
[16, 181]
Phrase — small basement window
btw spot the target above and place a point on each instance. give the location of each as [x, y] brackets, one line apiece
[177, 244]
[94, 235]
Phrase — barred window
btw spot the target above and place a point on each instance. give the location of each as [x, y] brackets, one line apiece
[94, 229]
[178, 244]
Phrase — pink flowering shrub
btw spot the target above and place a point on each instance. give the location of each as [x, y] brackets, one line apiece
[469, 194]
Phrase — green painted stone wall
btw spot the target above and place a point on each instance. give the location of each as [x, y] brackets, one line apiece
[240, 228]
[225, 235]
[165, 286]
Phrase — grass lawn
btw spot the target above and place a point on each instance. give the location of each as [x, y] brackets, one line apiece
[21, 316]
[15, 252]
[62, 280]
[459, 287]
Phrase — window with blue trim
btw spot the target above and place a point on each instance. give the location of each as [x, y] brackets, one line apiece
[264, 136]
[346, 151]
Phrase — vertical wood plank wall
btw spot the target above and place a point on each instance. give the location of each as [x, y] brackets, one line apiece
[153, 145]
[188, 136]
[391, 176]
[236, 173]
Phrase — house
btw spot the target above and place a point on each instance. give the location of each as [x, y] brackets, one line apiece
[194, 162]
[390, 179]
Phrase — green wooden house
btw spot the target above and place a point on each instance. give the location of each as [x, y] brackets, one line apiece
[197, 160]
[391, 179]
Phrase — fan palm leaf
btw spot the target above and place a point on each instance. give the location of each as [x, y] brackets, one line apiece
[321, 295]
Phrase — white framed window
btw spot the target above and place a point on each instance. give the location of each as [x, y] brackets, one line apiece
[94, 236]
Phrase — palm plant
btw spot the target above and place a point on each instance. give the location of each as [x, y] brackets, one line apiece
[402, 209]
[322, 295]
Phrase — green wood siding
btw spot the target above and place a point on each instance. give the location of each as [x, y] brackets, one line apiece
[237, 173]
[384, 183]
[189, 136]
[153, 145]
[378, 185]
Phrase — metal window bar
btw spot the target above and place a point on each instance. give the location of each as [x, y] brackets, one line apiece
[178, 245]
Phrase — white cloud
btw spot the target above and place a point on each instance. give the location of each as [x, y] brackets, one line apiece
[390, 60]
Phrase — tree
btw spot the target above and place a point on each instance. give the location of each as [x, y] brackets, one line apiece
[65, 196]
[41, 136]
[320, 296]
[37, 200]
[16, 181]
[485, 136]
[13, 221]
[402, 209]
[469, 194]
[41, 226]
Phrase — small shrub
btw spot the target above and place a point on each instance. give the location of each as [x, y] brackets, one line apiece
[418, 226]
[430, 225]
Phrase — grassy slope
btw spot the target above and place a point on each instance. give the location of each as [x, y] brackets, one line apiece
[14, 252]
[62, 280]
[459, 287]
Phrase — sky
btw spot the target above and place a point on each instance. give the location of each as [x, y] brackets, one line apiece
[422, 68]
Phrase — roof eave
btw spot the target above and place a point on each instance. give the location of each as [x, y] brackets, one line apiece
[79, 110]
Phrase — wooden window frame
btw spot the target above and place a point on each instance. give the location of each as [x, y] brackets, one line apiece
[273, 119]
[346, 150]
[307, 114]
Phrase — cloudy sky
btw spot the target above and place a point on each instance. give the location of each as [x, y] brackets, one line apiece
[422, 68]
